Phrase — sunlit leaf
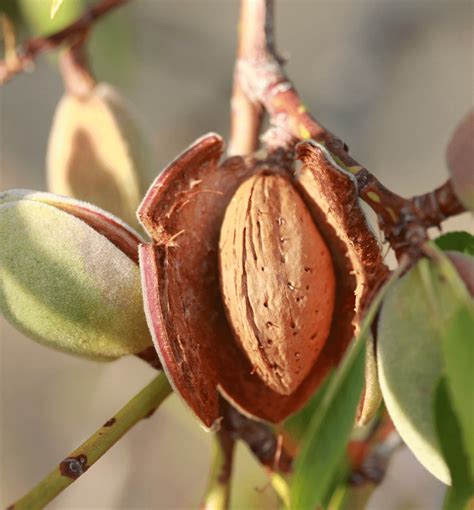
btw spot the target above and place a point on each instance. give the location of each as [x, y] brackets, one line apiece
[458, 354]
[298, 423]
[324, 444]
[450, 438]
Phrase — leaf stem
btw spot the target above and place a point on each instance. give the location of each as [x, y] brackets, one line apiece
[72, 467]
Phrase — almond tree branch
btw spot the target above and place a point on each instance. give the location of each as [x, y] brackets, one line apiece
[246, 114]
[260, 75]
[72, 467]
[31, 49]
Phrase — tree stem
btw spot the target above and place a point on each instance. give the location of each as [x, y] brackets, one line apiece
[71, 468]
[246, 112]
[260, 75]
[32, 48]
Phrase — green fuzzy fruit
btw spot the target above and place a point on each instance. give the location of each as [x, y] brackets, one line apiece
[65, 284]
[410, 354]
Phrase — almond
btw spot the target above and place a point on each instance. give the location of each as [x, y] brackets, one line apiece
[277, 280]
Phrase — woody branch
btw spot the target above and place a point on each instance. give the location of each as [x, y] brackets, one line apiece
[26, 54]
[260, 76]
[76, 73]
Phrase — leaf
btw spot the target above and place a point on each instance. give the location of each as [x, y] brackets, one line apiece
[55, 5]
[298, 423]
[450, 438]
[65, 284]
[324, 443]
[456, 241]
[458, 354]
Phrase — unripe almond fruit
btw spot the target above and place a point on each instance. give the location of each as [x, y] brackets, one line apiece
[460, 159]
[98, 152]
[410, 355]
[69, 276]
[277, 280]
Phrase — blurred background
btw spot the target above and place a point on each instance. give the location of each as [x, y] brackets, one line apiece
[391, 78]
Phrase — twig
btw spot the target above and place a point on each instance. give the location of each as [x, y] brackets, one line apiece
[259, 437]
[246, 115]
[260, 75]
[71, 468]
[217, 496]
[32, 48]
[370, 457]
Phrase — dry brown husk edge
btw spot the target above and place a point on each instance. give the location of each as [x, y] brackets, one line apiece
[183, 212]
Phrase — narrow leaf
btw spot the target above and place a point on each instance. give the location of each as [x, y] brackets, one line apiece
[449, 435]
[324, 443]
[458, 353]
[298, 423]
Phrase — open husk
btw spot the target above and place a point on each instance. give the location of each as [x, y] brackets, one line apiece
[183, 213]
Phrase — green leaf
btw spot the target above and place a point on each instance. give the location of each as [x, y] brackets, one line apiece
[298, 423]
[450, 438]
[458, 353]
[324, 444]
[456, 241]
[65, 284]
[55, 5]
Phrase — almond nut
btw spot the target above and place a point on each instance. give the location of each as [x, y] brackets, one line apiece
[277, 280]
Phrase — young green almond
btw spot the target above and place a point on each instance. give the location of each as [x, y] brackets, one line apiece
[98, 152]
[460, 158]
[409, 354]
[69, 277]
